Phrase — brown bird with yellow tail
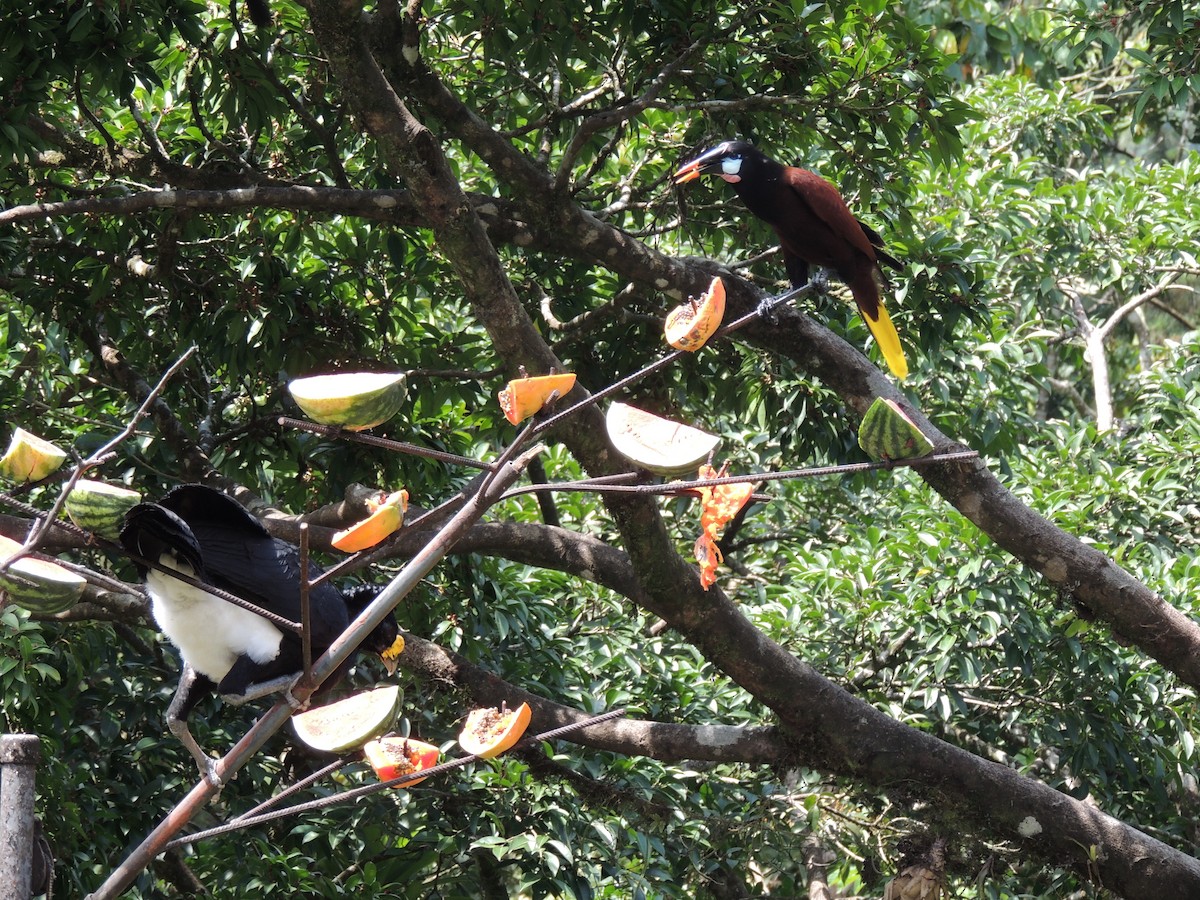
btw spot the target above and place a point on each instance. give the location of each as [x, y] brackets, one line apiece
[814, 227]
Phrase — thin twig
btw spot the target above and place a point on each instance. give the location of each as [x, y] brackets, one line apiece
[42, 523]
[385, 443]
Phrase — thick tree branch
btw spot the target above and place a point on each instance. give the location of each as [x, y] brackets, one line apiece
[660, 740]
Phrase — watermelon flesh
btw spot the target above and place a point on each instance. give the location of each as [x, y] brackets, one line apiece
[29, 458]
[348, 723]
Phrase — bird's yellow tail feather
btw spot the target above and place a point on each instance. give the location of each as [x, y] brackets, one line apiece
[888, 341]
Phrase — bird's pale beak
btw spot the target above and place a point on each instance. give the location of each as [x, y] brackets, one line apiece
[389, 656]
[707, 163]
[690, 172]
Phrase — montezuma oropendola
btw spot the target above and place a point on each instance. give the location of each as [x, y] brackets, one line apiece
[814, 227]
[208, 535]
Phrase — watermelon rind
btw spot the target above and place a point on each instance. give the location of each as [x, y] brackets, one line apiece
[352, 400]
[660, 445]
[29, 457]
[887, 433]
[100, 507]
[37, 585]
[348, 723]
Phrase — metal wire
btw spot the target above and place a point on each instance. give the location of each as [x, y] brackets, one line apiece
[386, 443]
[247, 820]
[675, 487]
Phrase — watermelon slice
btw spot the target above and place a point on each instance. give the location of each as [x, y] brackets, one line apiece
[37, 585]
[348, 723]
[99, 507]
[29, 458]
[888, 433]
[655, 443]
[354, 400]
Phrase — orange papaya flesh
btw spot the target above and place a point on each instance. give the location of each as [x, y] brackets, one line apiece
[388, 515]
[392, 757]
[692, 323]
[489, 732]
[525, 396]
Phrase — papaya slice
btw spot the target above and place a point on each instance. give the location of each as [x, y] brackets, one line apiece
[350, 722]
[657, 444]
[525, 396]
[392, 757]
[353, 400]
[693, 322]
[387, 515]
[29, 457]
[489, 732]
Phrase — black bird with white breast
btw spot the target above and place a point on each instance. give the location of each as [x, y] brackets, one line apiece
[209, 536]
[814, 227]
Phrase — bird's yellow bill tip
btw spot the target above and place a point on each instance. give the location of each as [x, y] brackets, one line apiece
[389, 655]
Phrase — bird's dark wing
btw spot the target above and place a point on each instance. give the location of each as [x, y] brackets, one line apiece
[824, 202]
[241, 557]
[152, 530]
[847, 247]
[266, 572]
[200, 503]
[797, 268]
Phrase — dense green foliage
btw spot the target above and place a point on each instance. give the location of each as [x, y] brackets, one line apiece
[1035, 168]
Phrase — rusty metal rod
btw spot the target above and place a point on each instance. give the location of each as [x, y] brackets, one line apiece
[272, 720]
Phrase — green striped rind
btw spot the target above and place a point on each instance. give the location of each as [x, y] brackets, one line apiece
[352, 400]
[100, 507]
[887, 433]
[37, 585]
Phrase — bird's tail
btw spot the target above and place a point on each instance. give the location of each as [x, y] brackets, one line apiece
[867, 295]
[151, 530]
